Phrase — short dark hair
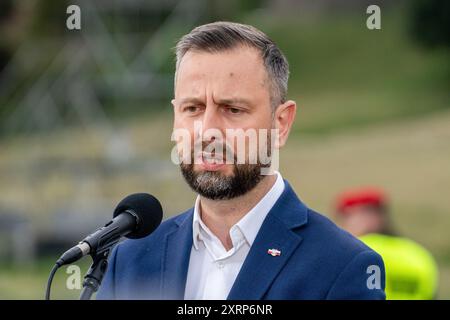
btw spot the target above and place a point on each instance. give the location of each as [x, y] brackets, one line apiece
[221, 36]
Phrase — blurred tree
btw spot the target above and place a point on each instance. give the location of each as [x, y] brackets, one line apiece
[48, 19]
[6, 9]
[230, 10]
[430, 23]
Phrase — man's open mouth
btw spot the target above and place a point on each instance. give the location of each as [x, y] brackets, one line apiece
[213, 158]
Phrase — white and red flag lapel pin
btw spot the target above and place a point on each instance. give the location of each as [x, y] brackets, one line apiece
[274, 252]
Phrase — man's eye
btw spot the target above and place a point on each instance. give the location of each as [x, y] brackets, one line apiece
[234, 110]
[191, 109]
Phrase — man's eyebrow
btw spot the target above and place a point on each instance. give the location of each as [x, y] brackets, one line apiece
[195, 100]
[234, 101]
[223, 101]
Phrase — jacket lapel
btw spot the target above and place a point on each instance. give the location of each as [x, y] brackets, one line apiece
[175, 262]
[260, 268]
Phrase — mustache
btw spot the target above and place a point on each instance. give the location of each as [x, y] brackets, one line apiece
[220, 150]
[216, 147]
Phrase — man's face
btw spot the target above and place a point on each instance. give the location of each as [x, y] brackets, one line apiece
[224, 90]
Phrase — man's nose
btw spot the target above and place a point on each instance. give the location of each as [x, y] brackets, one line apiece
[211, 123]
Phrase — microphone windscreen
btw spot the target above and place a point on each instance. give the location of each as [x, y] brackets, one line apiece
[147, 208]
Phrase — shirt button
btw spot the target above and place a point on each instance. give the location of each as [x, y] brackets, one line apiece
[220, 265]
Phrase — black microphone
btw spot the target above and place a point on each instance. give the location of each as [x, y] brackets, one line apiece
[135, 217]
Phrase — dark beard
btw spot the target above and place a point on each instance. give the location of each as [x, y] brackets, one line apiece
[215, 186]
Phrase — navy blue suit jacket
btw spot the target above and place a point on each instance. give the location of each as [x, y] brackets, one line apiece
[318, 260]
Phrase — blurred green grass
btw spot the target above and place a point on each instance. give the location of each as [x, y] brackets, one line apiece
[28, 282]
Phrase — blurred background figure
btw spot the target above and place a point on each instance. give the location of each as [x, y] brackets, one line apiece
[411, 271]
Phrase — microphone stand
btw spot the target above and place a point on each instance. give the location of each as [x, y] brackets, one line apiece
[94, 276]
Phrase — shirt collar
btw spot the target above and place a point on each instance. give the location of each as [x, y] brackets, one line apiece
[250, 224]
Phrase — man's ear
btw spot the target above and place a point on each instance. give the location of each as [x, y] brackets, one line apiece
[284, 118]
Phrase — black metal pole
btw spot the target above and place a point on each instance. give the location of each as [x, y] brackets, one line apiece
[94, 276]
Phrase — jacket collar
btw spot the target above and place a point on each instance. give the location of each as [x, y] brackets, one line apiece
[276, 234]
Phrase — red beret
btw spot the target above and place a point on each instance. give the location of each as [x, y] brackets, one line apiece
[361, 196]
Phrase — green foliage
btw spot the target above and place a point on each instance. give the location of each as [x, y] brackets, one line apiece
[430, 23]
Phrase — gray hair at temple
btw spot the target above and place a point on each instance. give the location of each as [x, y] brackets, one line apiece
[221, 36]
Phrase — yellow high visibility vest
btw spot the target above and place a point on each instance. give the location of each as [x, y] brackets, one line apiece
[411, 271]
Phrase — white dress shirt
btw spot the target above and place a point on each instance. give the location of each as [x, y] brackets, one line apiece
[212, 269]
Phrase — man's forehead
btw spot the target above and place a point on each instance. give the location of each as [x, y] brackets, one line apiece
[234, 69]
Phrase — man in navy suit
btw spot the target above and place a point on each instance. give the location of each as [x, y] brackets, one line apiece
[248, 235]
